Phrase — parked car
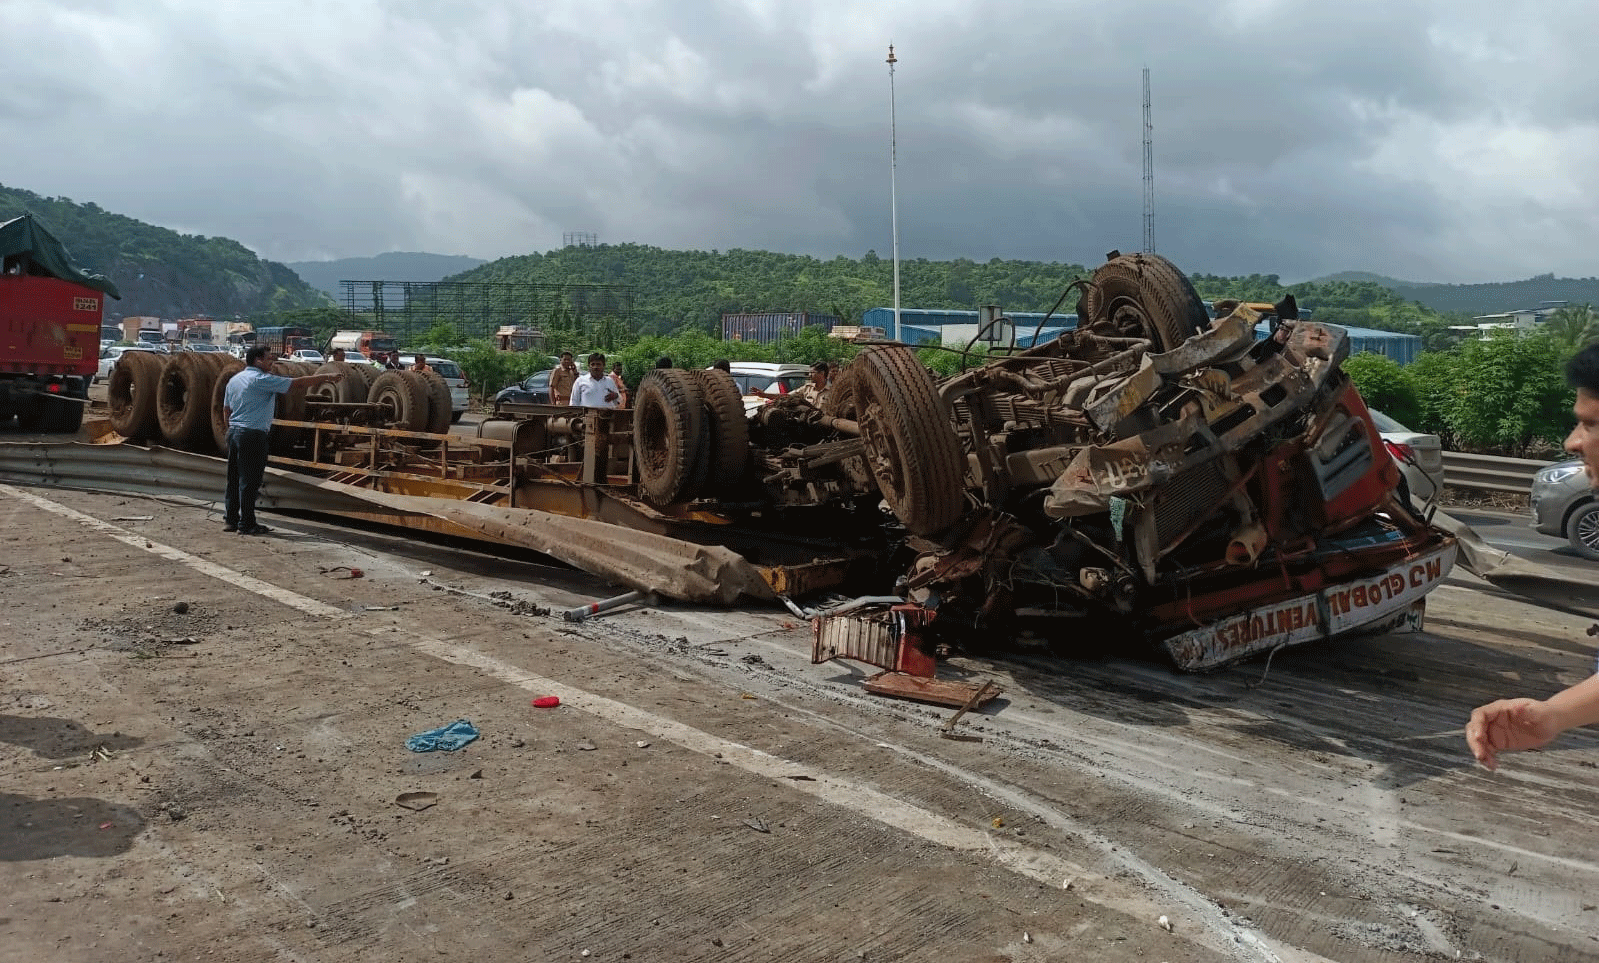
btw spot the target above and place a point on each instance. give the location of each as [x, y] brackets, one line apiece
[204, 347]
[753, 376]
[460, 396]
[110, 356]
[1563, 504]
[1420, 456]
[532, 390]
[308, 355]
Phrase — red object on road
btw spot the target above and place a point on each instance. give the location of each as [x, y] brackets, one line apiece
[546, 702]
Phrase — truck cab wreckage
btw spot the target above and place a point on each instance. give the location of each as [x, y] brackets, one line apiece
[1152, 478]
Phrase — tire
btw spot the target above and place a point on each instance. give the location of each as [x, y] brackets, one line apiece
[1582, 530]
[183, 402]
[290, 407]
[439, 401]
[843, 394]
[219, 423]
[669, 436]
[911, 445]
[728, 429]
[135, 383]
[350, 390]
[1142, 295]
[404, 400]
[366, 374]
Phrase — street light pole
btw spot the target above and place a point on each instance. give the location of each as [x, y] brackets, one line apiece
[893, 187]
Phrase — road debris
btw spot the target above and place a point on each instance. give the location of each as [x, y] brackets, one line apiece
[416, 801]
[447, 738]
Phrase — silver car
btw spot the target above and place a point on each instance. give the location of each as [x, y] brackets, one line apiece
[1563, 504]
[1420, 456]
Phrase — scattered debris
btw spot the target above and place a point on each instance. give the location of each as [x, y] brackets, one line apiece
[586, 746]
[642, 744]
[758, 824]
[134, 518]
[445, 738]
[998, 822]
[182, 608]
[605, 605]
[1165, 923]
[380, 608]
[546, 702]
[347, 572]
[416, 801]
[978, 698]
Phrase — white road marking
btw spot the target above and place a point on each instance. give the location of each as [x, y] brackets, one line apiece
[894, 812]
[236, 579]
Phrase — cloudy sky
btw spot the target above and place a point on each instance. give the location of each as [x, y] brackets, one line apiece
[1455, 140]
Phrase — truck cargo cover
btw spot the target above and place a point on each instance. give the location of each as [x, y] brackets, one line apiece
[24, 235]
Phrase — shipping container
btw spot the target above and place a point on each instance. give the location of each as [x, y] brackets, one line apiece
[937, 319]
[767, 328]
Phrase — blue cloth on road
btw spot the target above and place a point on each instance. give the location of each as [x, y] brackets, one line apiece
[447, 738]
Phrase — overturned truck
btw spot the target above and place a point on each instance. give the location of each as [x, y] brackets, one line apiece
[1153, 477]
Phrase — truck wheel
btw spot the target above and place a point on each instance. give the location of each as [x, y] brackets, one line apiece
[843, 394]
[729, 429]
[403, 401]
[911, 445]
[669, 436]
[135, 383]
[183, 402]
[365, 374]
[1142, 296]
[219, 422]
[439, 402]
[290, 407]
[1582, 531]
[351, 390]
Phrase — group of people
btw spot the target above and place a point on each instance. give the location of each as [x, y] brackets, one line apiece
[393, 362]
[597, 390]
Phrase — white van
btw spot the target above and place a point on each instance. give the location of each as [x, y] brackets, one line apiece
[453, 376]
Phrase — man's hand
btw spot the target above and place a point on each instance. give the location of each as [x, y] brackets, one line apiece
[1509, 725]
[611, 396]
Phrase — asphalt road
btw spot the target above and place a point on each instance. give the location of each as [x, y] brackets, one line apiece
[1512, 532]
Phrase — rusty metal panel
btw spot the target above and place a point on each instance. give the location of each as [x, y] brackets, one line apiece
[884, 638]
[944, 692]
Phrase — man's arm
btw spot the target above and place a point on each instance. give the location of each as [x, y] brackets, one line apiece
[1511, 724]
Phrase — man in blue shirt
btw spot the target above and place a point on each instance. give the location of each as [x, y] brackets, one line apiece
[248, 404]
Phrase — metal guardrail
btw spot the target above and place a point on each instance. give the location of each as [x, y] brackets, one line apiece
[1490, 472]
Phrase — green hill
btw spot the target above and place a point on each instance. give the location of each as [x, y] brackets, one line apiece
[161, 272]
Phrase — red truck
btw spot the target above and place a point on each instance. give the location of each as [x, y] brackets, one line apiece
[50, 314]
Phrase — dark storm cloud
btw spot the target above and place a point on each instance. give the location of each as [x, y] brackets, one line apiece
[1439, 141]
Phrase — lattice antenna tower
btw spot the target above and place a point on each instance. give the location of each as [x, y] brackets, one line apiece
[1149, 172]
[580, 239]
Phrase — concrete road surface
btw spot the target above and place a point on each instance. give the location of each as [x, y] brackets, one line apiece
[223, 782]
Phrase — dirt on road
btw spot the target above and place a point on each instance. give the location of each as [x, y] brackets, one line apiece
[203, 754]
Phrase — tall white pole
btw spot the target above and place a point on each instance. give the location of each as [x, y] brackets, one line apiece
[893, 187]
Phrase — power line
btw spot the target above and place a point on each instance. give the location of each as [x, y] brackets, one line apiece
[1149, 172]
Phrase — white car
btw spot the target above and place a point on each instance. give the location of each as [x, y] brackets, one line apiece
[203, 347]
[451, 372]
[753, 376]
[109, 357]
[1420, 456]
[308, 355]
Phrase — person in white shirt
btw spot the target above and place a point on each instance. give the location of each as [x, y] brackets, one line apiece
[597, 390]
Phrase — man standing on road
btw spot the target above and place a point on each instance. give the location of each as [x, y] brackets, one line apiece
[393, 364]
[247, 404]
[596, 390]
[421, 363]
[562, 379]
[1511, 724]
[338, 355]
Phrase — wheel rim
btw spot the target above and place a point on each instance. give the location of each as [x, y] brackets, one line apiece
[1588, 530]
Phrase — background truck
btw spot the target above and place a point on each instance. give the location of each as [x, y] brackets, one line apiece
[50, 315]
[364, 343]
